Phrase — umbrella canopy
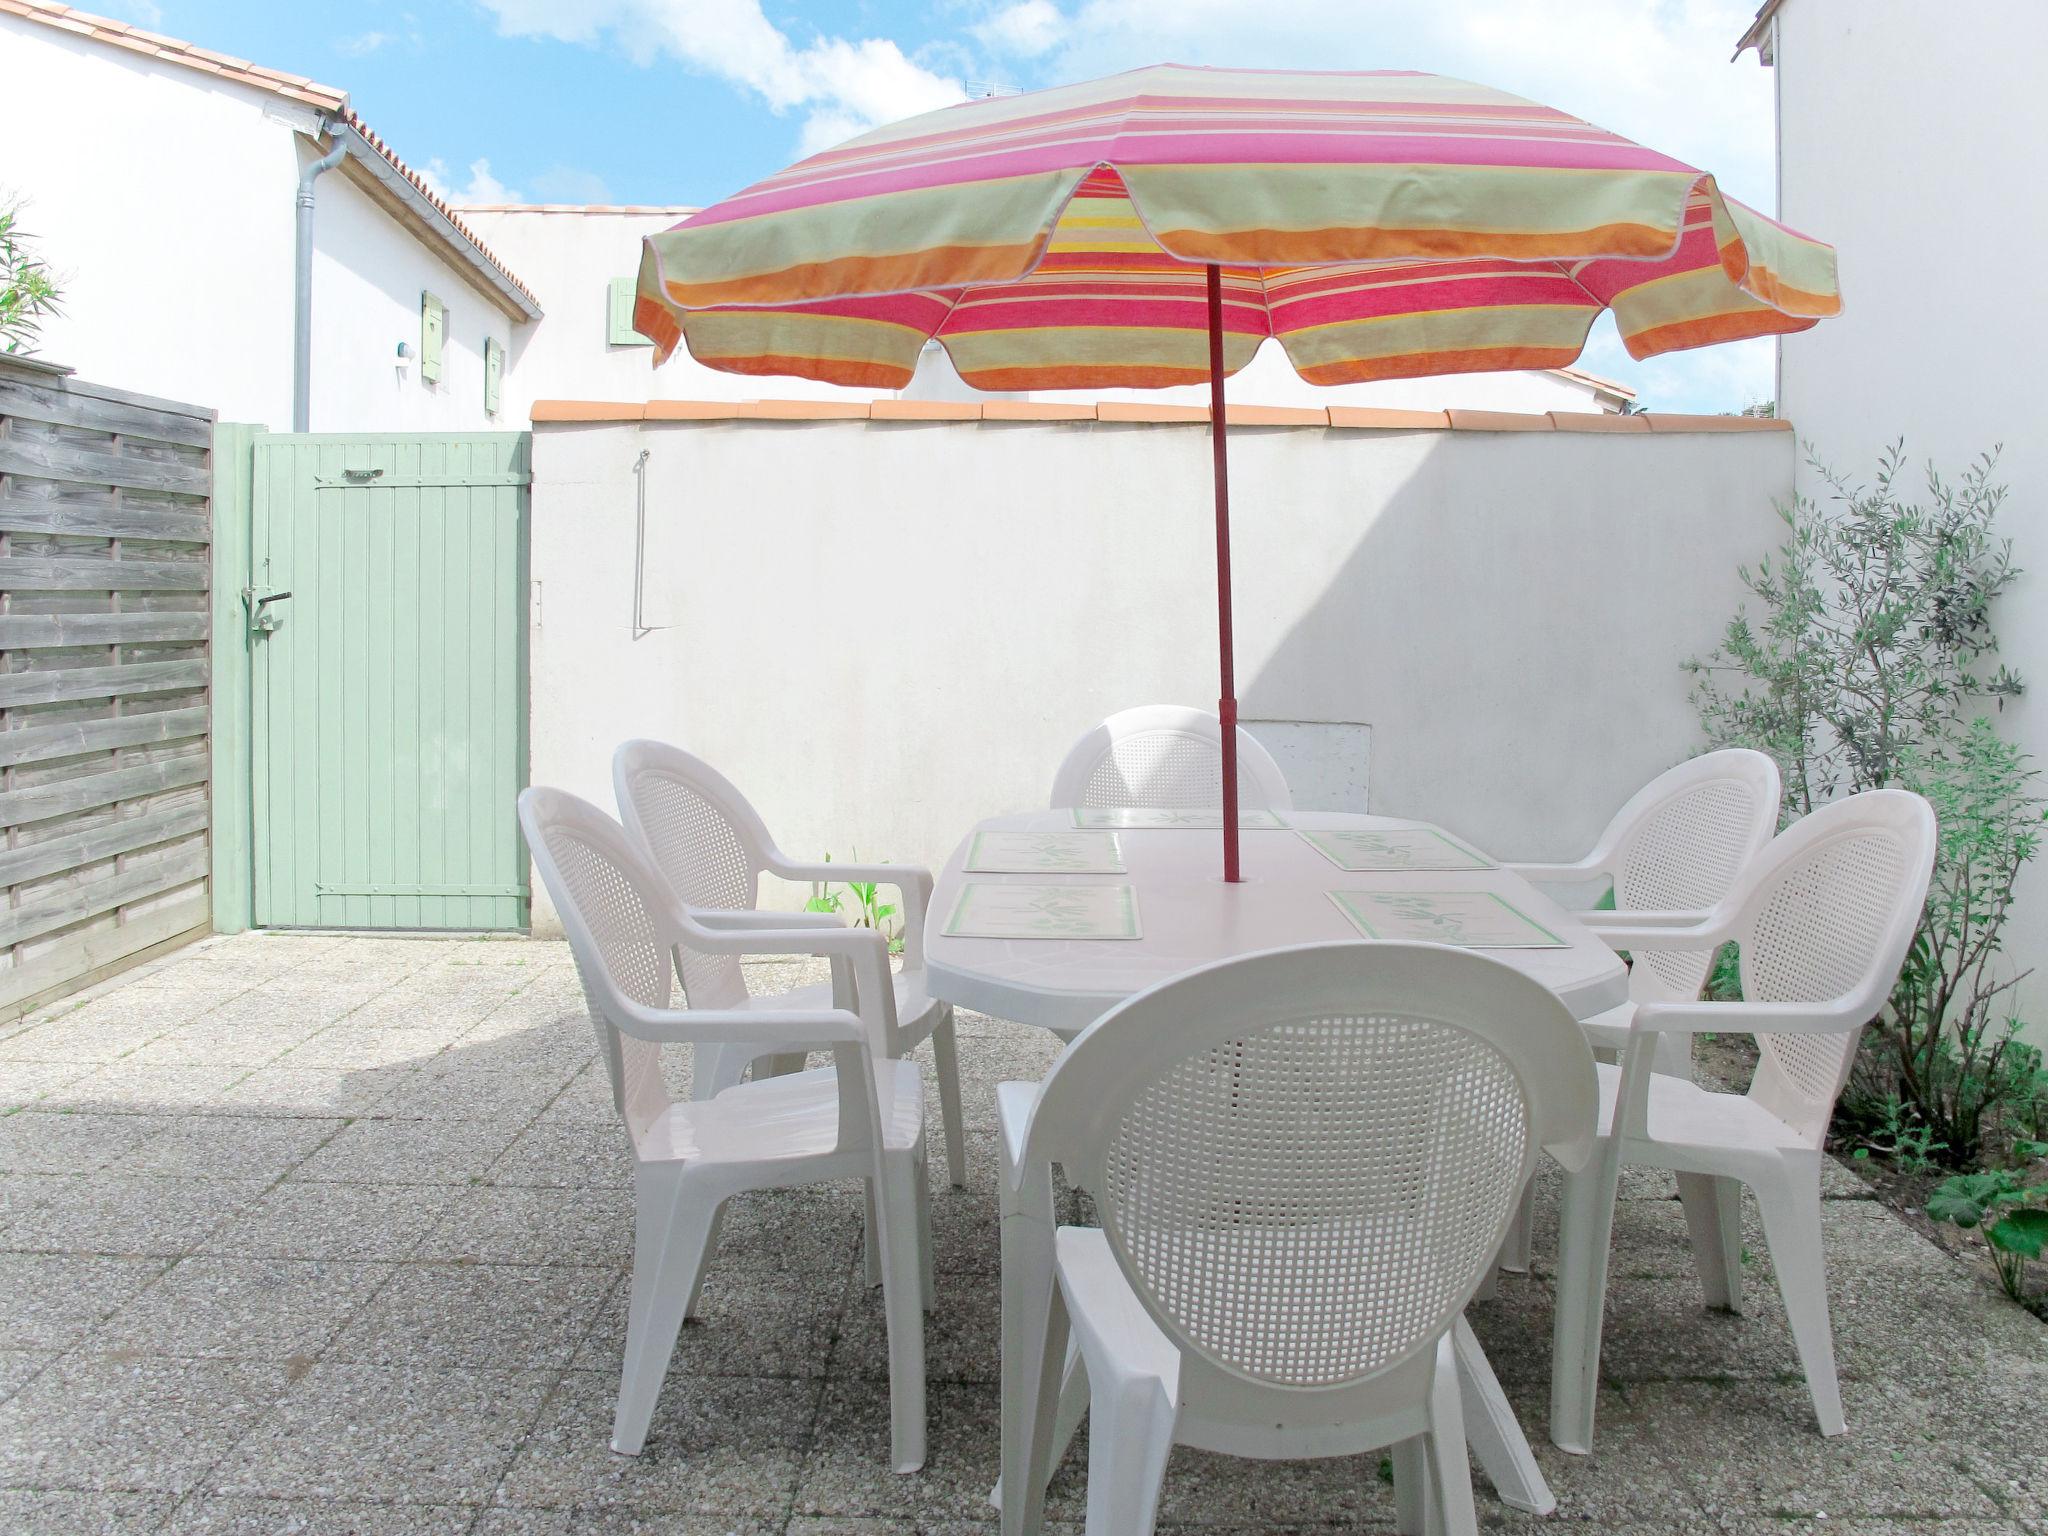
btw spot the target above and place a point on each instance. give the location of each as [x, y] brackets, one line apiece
[1382, 225]
[1155, 227]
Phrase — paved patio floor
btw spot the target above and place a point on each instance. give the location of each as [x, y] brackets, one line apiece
[320, 1234]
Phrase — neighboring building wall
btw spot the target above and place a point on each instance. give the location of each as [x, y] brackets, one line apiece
[885, 630]
[568, 256]
[163, 199]
[368, 274]
[1904, 129]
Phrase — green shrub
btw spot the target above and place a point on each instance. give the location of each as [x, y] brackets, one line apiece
[1871, 661]
[28, 289]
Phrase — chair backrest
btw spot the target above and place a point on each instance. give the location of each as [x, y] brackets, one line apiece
[619, 917]
[1164, 755]
[1826, 915]
[706, 840]
[1306, 1159]
[1680, 844]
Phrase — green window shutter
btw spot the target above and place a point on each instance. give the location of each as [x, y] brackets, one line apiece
[619, 330]
[494, 370]
[433, 327]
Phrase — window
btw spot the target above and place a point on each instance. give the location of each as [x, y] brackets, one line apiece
[619, 330]
[494, 370]
[433, 327]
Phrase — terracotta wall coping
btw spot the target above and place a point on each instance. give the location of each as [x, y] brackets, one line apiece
[1339, 417]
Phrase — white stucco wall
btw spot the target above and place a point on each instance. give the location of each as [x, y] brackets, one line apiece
[368, 274]
[164, 199]
[885, 631]
[1906, 133]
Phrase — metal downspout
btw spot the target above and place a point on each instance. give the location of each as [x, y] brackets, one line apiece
[302, 290]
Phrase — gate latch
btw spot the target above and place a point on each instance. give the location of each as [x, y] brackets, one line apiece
[261, 620]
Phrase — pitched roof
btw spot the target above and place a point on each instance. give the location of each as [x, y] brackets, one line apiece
[433, 199]
[408, 195]
[1759, 34]
[172, 51]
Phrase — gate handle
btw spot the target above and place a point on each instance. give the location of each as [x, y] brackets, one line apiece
[275, 597]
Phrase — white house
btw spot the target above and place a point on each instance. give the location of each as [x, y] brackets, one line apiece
[1905, 135]
[164, 182]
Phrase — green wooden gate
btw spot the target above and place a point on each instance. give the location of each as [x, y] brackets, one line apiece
[388, 688]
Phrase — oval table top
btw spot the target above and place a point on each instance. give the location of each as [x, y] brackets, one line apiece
[1188, 917]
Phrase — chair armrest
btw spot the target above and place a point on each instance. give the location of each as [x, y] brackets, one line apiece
[1829, 1018]
[1643, 917]
[1014, 1104]
[797, 1027]
[912, 883]
[1558, 874]
[1698, 936]
[741, 919]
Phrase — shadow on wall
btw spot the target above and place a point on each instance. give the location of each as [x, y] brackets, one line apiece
[1510, 620]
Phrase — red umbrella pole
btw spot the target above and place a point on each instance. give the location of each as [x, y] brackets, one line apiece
[1226, 706]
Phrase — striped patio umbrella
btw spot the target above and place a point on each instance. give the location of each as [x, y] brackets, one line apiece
[1154, 228]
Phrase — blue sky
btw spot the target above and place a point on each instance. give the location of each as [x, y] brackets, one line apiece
[682, 101]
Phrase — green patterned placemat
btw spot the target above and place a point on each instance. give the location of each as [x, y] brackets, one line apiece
[990, 909]
[1417, 848]
[1157, 817]
[1057, 853]
[1470, 919]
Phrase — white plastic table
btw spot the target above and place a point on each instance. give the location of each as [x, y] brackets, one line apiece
[1187, 918]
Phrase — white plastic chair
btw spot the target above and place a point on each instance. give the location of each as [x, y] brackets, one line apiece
[1669, 854]
[700, 832]
[1304, 1162]
[1164, 755]
[1823, 917]
[861, 1118]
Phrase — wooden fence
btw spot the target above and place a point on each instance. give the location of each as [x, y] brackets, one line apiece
[105, 526]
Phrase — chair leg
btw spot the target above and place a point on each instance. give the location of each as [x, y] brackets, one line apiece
[870, 1242]
[716, 1066]
[1514, 1251]
[946, 1067]
[928, 1272]
[1036, 1455]
[1493, 1431]
[1790, 1206]
[1585, 1228]
[1713, 1216]
[903, 1305]
[1450, 1480]
[1130, 1437]
[1028, 1292]
[1073, 1405]
[672, 1233]
[1414, 1508]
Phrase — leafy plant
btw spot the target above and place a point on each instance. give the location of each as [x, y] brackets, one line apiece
[1874, 633]
[28, 288]
[1870, 661]
[1903, 1139]
[870, 911]
[2013, 1217]
[1951, 1044]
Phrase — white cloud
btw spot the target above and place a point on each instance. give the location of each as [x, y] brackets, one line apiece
[843, 87]
[362, 44]
[482, 186]
[1026, 27]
